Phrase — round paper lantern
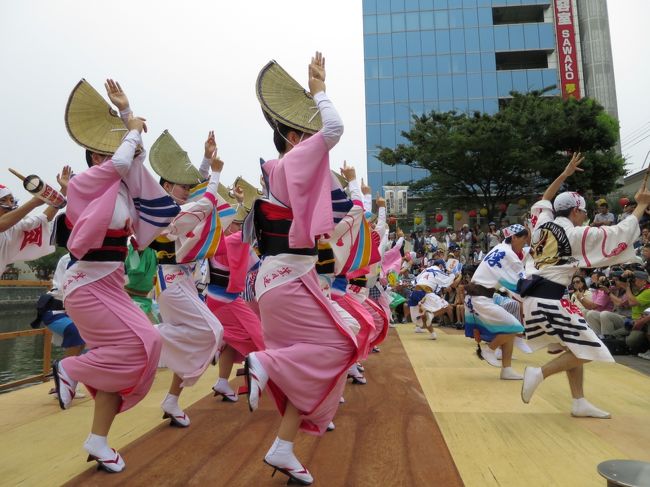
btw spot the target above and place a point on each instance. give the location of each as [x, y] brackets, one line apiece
[522, 202]
[503, 207]
[472, 213]
[392, 220]
[417, 220]
[483, 211]
[623, 201]
[439, 217]
[458, 215]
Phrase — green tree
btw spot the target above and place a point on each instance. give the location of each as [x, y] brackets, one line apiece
[45, 266]
[484, 160]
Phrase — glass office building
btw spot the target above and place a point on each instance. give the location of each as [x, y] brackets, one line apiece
[463, 55]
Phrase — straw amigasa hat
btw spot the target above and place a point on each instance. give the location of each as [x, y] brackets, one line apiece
[171, 162]
[227, 195]
[91, 121]
[284, 100]
[251, 193]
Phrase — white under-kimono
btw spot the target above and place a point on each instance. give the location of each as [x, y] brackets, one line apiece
[435, 279]
[558, 249]
[191, 332]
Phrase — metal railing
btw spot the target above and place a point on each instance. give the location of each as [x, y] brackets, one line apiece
[47, 356]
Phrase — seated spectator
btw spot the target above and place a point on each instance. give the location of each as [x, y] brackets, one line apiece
[628, 210]
[638, 294]
[580, 294]
[633, 302]
[603, 215]
[599, 299]
[639, 337]
[644, 238]
[645, 255]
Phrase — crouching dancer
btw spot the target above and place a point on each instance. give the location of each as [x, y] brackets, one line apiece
[486, 320]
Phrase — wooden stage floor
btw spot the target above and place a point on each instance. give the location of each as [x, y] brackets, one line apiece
[431, 414]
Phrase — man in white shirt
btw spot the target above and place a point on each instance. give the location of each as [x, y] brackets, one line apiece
[604, 216]
[24, 237]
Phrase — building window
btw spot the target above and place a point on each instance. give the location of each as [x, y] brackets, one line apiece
[445, 90]
[415, 88]
[472, 40]
[457, 40]
[430, 88]
[412, 21]
[427, 40]
[471, 17]
[460, 86]
[521, 60]
[372, 114]
[383, 23]
[384, 48]
[444, 64]
[524, 14]
[415, 65]
[401, 89]
[399, 66]
[399, 44]
[387, 112]
[398, 22]
[386, 90]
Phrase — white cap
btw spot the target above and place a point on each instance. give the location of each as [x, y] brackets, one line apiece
[568, 200]
[4, 191]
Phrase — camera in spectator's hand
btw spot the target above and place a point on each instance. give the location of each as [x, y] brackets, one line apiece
[604, 282]
[627, 276]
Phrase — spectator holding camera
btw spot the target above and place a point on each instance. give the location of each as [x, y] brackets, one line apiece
[630, 305]
[638, 295]
[597, 298]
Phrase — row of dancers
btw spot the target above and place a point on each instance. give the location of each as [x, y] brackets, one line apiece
[309, 257]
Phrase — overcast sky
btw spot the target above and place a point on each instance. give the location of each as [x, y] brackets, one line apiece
[191, 66]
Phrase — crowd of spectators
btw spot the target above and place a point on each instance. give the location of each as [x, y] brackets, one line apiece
[615, 301]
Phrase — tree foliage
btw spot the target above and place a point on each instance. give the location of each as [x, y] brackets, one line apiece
[45, 266]
[484, 160]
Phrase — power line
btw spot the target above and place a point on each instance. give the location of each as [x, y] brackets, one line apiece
[635, 139]
[627, 148]
[632, 133]
[635, 133]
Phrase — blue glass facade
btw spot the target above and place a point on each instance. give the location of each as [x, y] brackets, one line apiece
[423, 55]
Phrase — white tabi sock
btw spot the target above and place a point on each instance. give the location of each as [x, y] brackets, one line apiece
[582, 408]
[96, 443]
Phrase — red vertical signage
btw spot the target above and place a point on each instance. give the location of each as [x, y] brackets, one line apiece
[567, 56]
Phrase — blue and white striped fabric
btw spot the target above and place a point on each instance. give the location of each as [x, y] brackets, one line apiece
[219, 293]
[157, 212]
[341, 204]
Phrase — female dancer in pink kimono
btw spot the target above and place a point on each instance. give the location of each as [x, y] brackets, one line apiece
[241, 326]
[309, 345]
[116, 197]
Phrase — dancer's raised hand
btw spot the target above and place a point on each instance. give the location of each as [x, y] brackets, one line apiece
[116, 94]
[210, 145]
[348, 172]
